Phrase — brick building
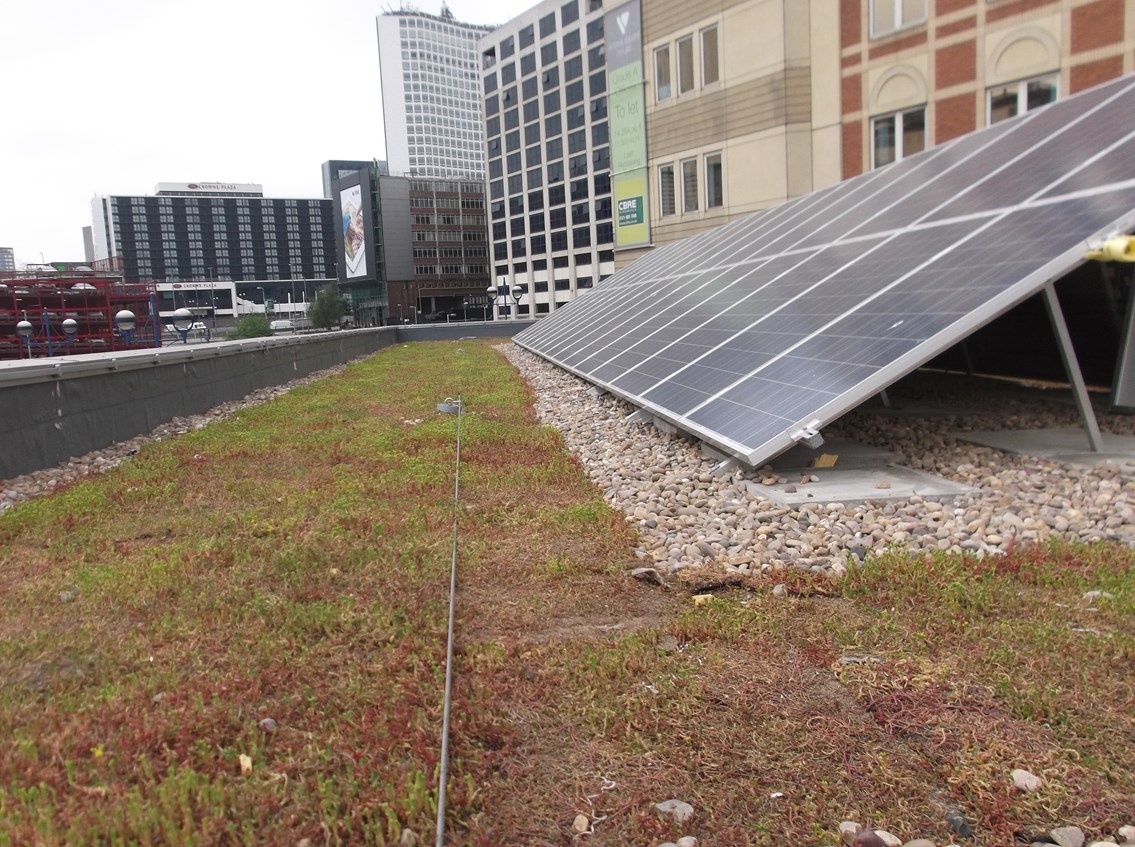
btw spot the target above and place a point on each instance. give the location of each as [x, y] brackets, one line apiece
[915, 73]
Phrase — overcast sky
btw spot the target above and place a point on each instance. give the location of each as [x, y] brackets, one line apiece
[115, 96]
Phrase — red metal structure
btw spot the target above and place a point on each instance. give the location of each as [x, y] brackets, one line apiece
[90, 300]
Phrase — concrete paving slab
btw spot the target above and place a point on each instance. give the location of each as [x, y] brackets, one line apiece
[850, 454]
[1068, 445]
[857, 485]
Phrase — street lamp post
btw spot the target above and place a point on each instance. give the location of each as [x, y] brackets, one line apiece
[25, 330]
[517, 293]
[182, 322]
[126, 323]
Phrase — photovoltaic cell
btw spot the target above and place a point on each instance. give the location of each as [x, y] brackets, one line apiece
[792, 316]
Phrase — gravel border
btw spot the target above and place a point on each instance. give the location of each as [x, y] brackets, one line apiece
[687, 517]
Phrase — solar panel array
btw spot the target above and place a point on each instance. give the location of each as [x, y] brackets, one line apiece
[751, 331]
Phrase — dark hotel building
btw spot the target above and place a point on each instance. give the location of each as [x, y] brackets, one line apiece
[213, 231]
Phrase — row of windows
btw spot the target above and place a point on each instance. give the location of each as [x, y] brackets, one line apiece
[557, 196]
[676, 62]
[450, 252]
[439, 187]
[539, 245]
[708, 192]
[900, 134]
[449, 220]
[450, 270]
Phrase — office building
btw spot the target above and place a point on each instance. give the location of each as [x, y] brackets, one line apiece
[412, 250]
[88, 244]
[208, 231]
[548, 144]
[339, 168]
[7, 259]
[431, 107]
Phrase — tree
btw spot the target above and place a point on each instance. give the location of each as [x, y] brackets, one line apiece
[252, 326]
[327, 309]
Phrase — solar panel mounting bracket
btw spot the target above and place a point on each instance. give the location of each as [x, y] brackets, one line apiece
[808, 434]
[640, 416]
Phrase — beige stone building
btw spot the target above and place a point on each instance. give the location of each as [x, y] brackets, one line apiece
[752, 102]
[742, 107]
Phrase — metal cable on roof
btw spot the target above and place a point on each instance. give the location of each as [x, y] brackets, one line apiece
[449, 406]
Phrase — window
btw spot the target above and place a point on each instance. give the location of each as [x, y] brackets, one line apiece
[893, 137]
[547, 25]
[531, 134]
[573, 93]
[1008, 101]
[662, 73]
[575, 116]
[596, 57]
[709, 68]
[535, 178]
[532, 155]
[490, 83]
[527, 36]
[690, 185]
[508, 73]
[571, 42]
[666, 189]
[528, 64]
[569, 13]
[532, 111]
[597, 83]
[685, 64]
[507, 48]
[573, 68]
[713, 183]
[594, 30]
[890, 15]
[551, 78]
[528, 89]
[548, 53]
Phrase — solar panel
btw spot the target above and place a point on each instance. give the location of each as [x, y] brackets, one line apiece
[790, 317]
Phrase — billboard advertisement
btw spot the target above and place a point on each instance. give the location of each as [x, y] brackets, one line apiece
[632, 209]
[353, 231]
[627, 110]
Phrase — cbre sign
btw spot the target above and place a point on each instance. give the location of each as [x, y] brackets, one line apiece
[630, 211]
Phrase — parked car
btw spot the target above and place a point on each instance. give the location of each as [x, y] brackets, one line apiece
[282, 326]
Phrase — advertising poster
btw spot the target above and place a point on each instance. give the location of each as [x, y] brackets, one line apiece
[632, 209]
[354, 231]
[627, 110]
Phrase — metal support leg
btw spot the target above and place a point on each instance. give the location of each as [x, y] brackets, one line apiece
[1072, 366]
[885, 399]
[1123, 389]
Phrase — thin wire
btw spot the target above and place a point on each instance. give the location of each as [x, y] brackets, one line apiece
[449, 645]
